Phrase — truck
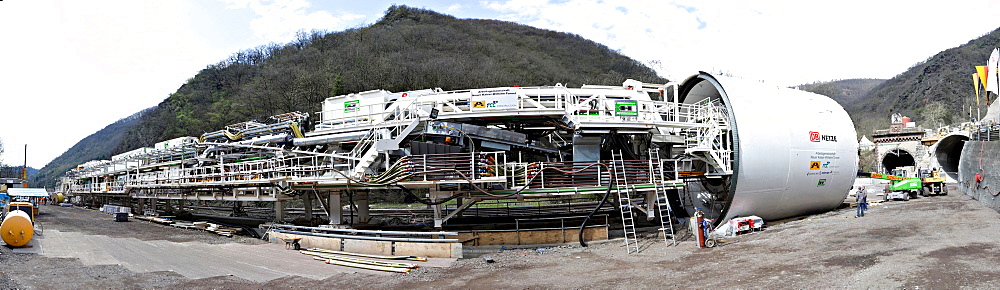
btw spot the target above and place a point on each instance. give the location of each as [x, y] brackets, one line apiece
[933, 182]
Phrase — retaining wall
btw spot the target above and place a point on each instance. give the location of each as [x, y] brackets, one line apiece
[986, 154]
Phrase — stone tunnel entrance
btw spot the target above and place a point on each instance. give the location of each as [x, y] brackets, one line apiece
[897, 158]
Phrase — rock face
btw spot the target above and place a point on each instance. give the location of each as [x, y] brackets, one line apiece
[983, 158]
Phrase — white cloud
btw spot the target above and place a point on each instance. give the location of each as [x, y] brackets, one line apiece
[71, 68]
[454, 7]
[279, 20]
[783, 41]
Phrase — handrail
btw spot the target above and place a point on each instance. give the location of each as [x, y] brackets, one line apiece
[374, 232]
[353, 237]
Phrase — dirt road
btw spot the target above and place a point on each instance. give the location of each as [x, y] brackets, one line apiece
[936, 242]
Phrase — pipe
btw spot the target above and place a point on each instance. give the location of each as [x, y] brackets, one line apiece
[267, 139]
[411, 258]
[369, 231]
[363, 266]
[359, 261]
[327, 139]
[386, 239]
[583, 225]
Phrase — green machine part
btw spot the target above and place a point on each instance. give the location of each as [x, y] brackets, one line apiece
[906, 184]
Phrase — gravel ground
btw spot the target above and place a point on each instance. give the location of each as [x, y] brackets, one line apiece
[931, 242]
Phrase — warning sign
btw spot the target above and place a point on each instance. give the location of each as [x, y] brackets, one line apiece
[814, 165]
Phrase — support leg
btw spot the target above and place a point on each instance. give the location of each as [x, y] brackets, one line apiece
[438, 221]
[361, 199]
[307, 203]
[279, 210]
[336, 210]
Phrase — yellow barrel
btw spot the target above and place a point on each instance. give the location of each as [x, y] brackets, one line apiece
[17, 229]
[59, 198]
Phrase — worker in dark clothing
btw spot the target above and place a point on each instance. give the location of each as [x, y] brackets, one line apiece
[862, 198]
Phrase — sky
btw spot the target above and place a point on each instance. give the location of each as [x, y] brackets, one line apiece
[70, 68]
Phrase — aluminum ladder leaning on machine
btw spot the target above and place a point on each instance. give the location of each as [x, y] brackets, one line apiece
[662, 203]
[624, 203]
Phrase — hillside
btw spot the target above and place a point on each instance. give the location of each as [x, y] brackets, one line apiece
[406, 49]
[843, 91]
[96, 146]
[14, 171]
[934, 93]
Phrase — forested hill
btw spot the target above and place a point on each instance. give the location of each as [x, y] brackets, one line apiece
[843, 91]
[934, 93]
[408, 48]
[99, 145]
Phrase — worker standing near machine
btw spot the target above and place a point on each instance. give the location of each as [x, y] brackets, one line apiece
[862, 199]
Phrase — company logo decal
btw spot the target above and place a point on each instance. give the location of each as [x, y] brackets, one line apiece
[814, 165]
[351, 106]
[816, 137]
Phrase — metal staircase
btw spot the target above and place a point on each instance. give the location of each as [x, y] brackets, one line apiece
[711, 143]
[624, 202]
[385, 136]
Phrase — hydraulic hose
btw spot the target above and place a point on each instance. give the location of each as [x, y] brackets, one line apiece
[604, 199]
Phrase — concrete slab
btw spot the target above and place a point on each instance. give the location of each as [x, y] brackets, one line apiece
[53, 244]
[30, 248]
[288, 262]
[194, 260]
[243, 265]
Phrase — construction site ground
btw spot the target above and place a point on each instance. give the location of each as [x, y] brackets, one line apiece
[931, 242]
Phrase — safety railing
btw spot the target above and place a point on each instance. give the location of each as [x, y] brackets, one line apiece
[475, 166]
[585, 173]
[596, 109]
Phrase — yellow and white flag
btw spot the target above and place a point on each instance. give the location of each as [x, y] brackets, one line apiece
[991, 71]
[975, 83]
[981, 72]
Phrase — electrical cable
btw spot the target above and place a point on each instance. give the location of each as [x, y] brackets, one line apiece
[583, 225]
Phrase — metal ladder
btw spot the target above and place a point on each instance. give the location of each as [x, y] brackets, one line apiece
[624, 202]
[666, 213]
